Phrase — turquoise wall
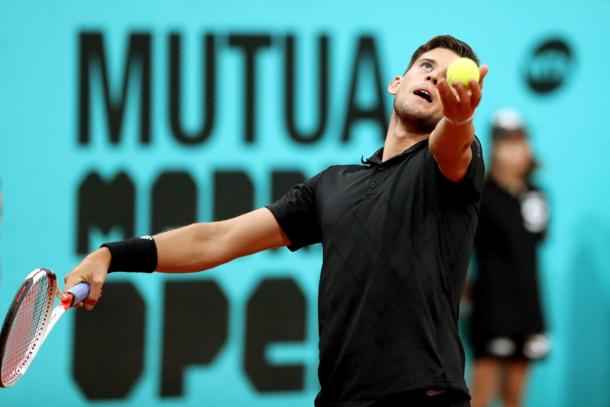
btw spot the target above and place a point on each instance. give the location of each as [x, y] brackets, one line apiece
[44, 163]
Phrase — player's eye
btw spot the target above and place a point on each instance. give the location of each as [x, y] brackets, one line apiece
[426, 66]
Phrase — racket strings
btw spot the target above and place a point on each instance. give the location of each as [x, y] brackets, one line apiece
[28, 328]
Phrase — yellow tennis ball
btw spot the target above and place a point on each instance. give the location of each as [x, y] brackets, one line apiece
[463, 70]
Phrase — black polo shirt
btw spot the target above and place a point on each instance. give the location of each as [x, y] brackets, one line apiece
[396, 239]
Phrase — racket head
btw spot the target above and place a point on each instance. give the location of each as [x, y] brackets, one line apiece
[25, 324]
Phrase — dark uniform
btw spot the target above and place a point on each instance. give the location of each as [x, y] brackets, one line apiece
[507, 320]
[397, 238]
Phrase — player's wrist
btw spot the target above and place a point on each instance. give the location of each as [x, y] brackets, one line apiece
[132, 255]
[459, 123]
[103, 256]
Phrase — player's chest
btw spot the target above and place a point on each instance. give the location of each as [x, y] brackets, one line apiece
[369, 194]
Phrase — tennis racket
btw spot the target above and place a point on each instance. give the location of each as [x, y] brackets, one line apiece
[29, 321]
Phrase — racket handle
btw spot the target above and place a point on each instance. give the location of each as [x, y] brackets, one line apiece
[80, 292]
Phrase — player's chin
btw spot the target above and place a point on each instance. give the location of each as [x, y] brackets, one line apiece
[423, 109]
[431, 113]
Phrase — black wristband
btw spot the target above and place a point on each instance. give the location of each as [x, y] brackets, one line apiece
[134, 255]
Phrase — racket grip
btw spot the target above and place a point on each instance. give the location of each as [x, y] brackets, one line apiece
[80, 292]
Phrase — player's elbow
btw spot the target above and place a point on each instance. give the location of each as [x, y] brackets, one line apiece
[454, 174]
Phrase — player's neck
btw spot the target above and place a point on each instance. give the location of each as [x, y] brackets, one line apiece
[399, 138]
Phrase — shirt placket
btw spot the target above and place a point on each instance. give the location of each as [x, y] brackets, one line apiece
[375, 181]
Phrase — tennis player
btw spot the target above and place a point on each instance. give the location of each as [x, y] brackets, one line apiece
[397, 233]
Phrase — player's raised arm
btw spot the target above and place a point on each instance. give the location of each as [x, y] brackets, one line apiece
[196, 247]
[450, 141]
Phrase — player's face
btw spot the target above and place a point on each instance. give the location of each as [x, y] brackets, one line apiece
[416, 98]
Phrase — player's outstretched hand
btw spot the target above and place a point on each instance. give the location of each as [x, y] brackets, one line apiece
[93, 270]
[459, 102]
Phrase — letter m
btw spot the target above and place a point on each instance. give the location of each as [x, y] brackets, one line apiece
[93, 61]
[104, 205]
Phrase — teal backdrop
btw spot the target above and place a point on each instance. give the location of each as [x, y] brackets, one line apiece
[210, 108]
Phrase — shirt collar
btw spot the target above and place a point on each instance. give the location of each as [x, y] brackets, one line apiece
[375, 159]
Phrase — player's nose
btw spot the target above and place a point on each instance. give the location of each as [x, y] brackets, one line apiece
[432, 78]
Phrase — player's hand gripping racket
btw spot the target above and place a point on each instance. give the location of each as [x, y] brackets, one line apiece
[29, 321]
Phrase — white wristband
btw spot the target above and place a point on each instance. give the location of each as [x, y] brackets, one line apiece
[460, 123]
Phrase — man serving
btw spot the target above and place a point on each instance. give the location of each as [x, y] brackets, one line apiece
[397, 233]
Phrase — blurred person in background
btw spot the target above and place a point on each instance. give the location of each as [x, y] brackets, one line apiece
[507, 323]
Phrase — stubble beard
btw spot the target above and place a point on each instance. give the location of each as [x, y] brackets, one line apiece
[415, 121]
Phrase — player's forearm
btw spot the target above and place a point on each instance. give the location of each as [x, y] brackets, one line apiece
[449, 141]
[192, 248]
[199, 246]
[450, 146]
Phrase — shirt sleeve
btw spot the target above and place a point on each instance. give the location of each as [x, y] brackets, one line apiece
[297, 214]
[469, 188]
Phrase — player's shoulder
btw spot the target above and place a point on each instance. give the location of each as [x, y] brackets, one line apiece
[336, 174]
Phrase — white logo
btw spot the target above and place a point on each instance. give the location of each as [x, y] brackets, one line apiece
[535, 211]
[501, 347]
[537, 346]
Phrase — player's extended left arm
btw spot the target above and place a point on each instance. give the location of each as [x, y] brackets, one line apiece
[450, 140]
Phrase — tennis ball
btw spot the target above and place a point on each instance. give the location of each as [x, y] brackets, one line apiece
[463, 70]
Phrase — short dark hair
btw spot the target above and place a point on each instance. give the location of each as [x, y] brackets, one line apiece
[448, 42]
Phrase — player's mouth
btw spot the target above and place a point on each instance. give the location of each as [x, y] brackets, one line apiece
[424, 94]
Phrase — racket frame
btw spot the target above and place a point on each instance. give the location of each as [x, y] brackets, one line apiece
[50, 318]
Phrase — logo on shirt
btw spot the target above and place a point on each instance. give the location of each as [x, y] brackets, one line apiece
[535, 211]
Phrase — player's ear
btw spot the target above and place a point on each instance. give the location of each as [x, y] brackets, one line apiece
[394, 85]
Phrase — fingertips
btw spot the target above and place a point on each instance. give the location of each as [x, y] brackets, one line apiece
[89, 303]
[461, 91]
[474, 87]
[483, 70]
[94, 294]
[475, 90]
[72, 278]
[447, 92]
